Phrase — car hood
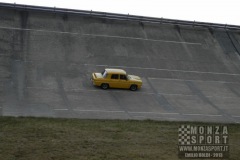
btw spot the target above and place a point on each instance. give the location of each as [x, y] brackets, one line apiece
[133, 77]
[98, 75]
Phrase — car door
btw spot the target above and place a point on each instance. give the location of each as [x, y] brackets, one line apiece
[123, 81]
[114, 81]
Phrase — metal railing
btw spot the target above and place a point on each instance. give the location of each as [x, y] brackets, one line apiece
[125, 17]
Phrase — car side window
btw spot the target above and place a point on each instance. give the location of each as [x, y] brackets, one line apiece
[123, 77]
[104, 74]
[114, 76]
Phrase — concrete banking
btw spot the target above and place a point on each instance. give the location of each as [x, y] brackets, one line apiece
[189, 73]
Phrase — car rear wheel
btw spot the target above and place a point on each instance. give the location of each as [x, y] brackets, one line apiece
[104, 86]
[133, 87]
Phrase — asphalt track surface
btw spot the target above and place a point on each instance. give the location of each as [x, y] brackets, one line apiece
[188, 73]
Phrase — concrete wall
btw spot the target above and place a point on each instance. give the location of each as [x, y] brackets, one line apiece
[46, 60]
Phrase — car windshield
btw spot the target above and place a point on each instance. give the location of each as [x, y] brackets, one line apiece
[104, 74]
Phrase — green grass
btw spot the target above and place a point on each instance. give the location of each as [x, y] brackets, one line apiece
[46, 138]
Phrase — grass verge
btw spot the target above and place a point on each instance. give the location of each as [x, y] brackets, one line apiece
[47, 138]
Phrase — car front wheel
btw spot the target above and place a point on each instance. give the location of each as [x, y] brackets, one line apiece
[104, 86]
[133, 87]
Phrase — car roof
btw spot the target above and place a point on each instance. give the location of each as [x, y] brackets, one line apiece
[117, 71]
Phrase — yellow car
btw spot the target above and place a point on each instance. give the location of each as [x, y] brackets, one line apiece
[116, 78]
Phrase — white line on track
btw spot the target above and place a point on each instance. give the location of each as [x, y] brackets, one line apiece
[175, 94]
[194, 95]
[235, 116]
[119, 111]
[174, 79]
[174, 70]
[208, 115]
[142, 116]
[144, 39]
[153, 113]
[100, 65]
[121, 91]
[98, 35]
[160, 69]
[103, 111]
[91, 90]
[61, 109]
